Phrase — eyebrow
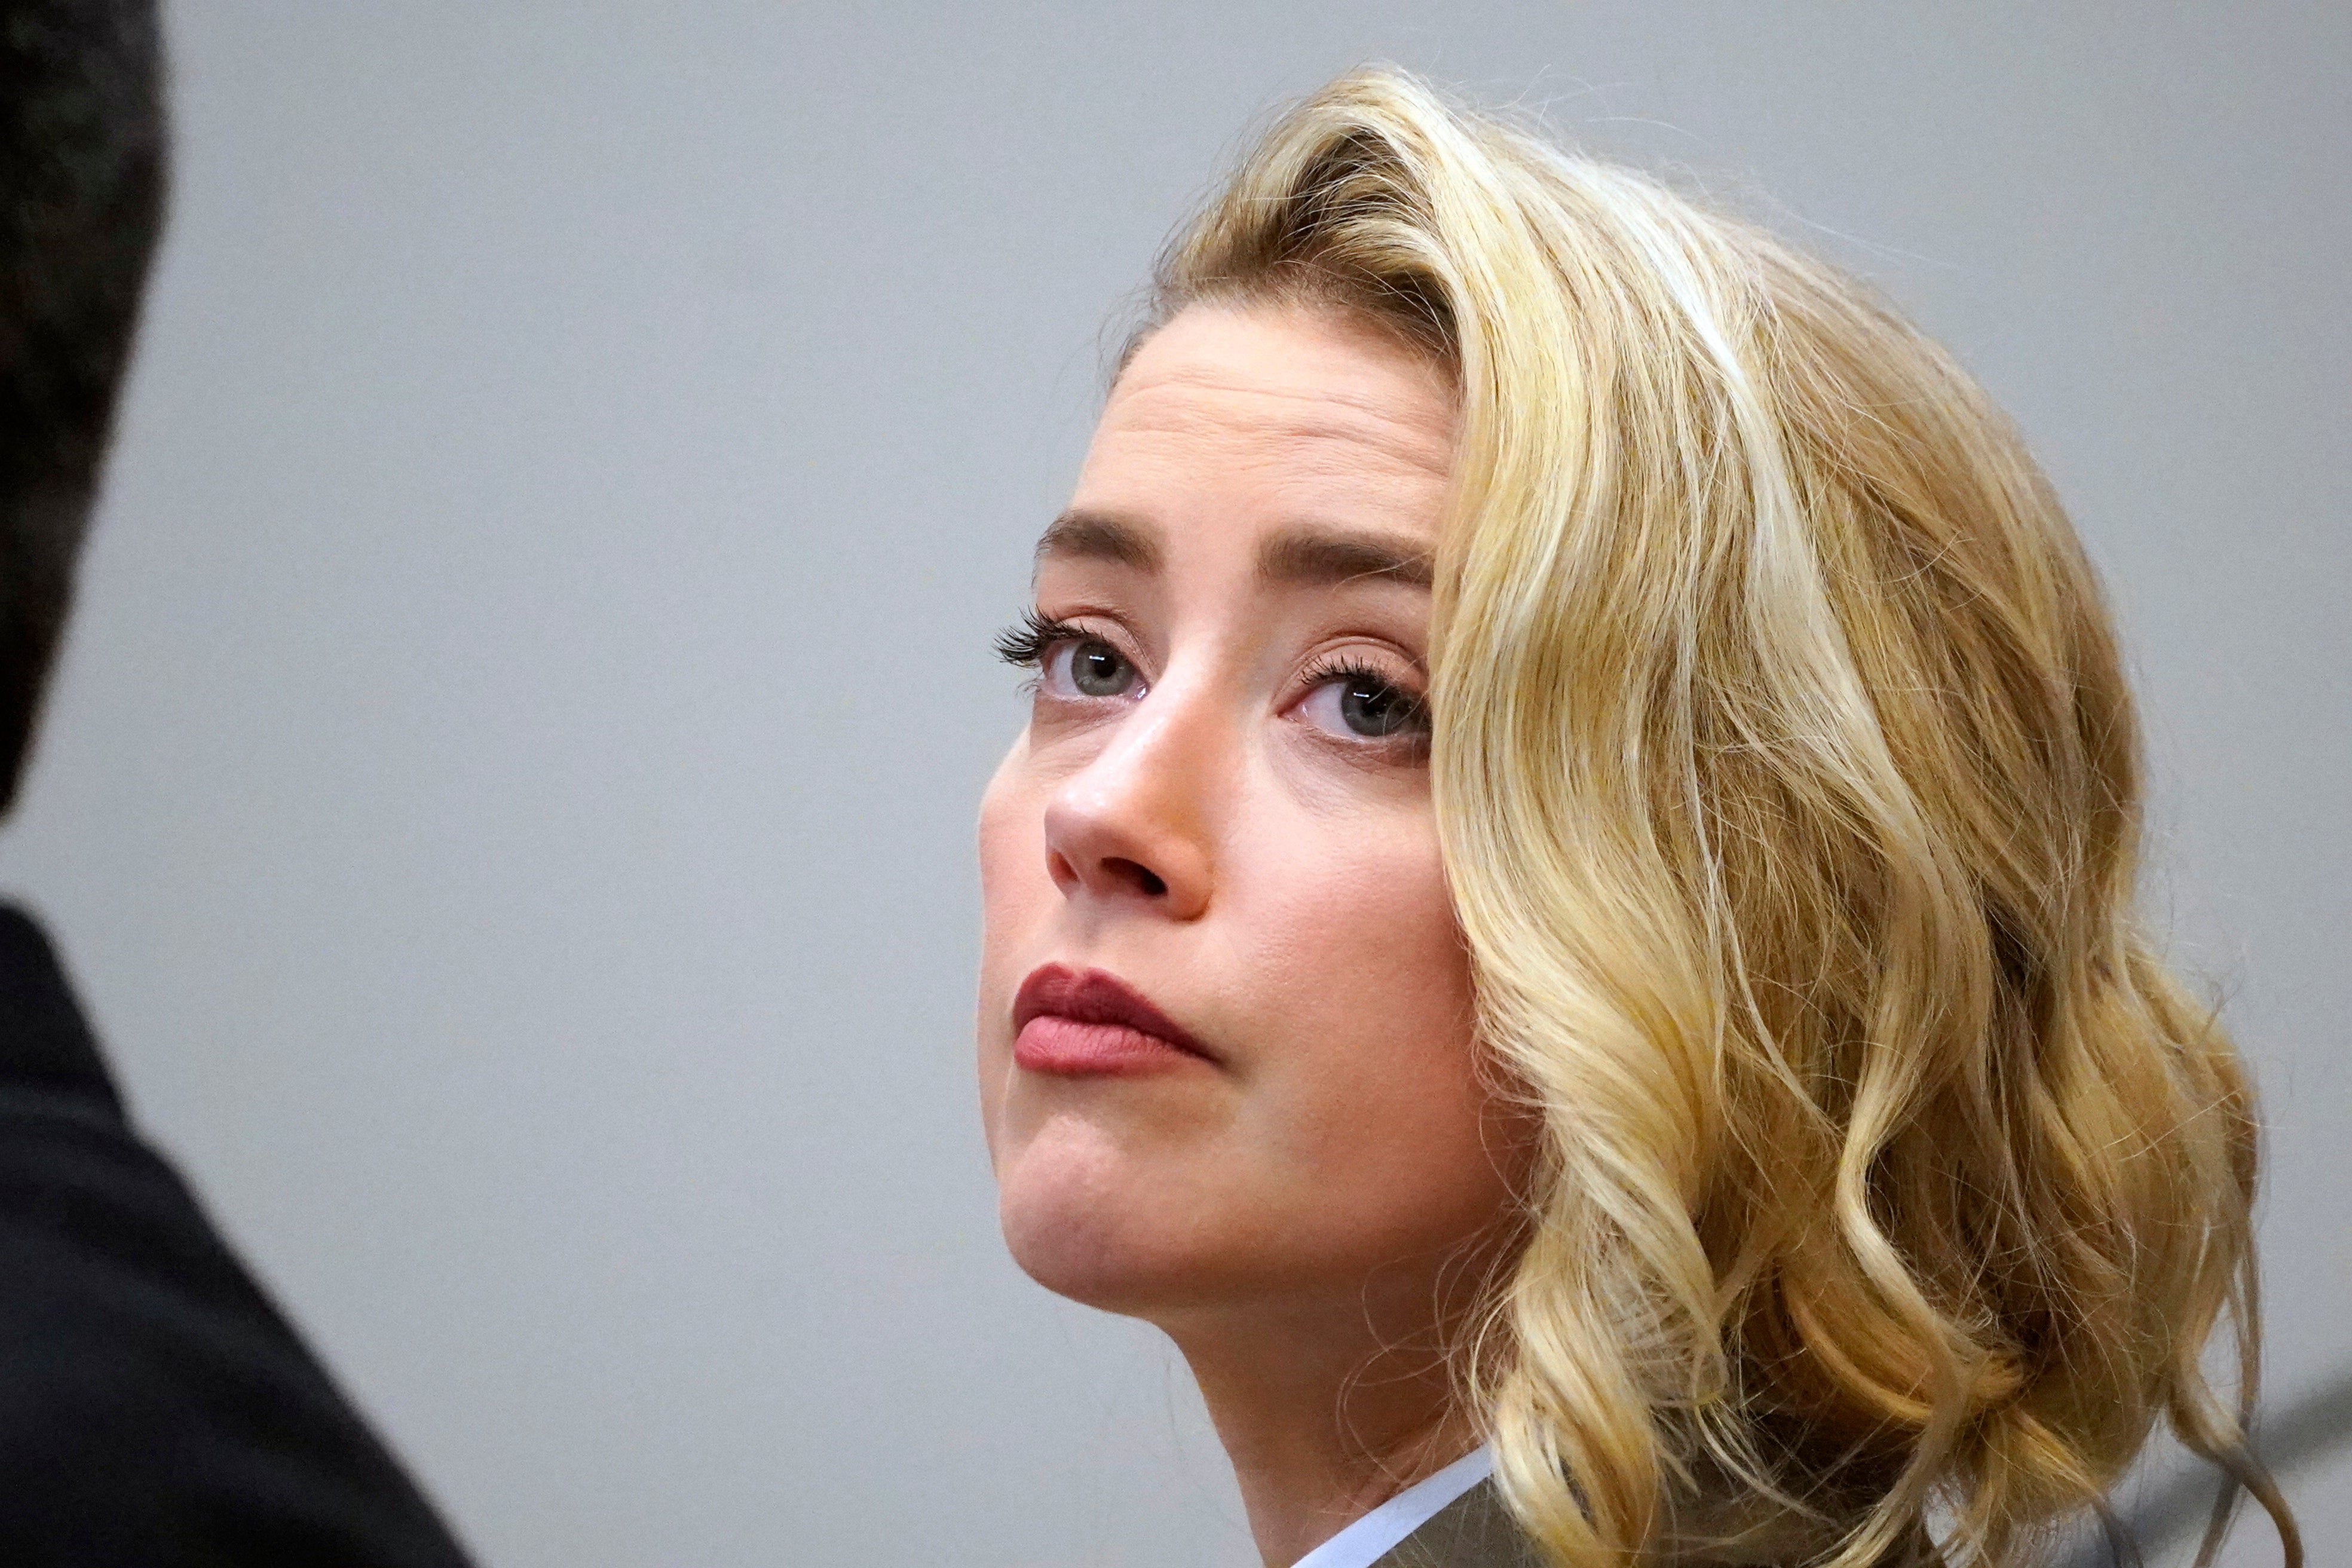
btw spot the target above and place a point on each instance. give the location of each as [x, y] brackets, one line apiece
[1320, 557]
[1099, 536]
[1304, 557]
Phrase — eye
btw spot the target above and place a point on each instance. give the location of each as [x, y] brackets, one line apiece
[1088, 667]
[1070, 661]
[1359, 702]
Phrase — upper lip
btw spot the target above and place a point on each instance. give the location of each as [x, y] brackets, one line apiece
[1097, 997]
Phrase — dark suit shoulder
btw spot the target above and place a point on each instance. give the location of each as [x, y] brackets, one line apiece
[1473, 1530]
[46, 1045]
[155, 1406]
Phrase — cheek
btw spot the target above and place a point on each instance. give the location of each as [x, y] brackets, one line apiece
[1015, 895]
[1376, 1092]
[1013, 877]
[1366, 944]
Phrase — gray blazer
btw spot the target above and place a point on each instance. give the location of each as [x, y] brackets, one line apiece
[1473, 1530]
[1476, 1530]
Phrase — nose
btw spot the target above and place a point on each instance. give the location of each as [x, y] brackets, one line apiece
[1133, 825]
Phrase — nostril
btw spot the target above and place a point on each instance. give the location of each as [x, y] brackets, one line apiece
[1147, 882]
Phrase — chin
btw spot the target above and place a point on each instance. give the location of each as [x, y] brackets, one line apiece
[1081, 1220]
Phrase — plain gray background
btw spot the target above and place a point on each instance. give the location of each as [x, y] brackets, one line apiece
[507, 796]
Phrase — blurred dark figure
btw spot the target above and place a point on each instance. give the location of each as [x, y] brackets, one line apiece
[156, 1408]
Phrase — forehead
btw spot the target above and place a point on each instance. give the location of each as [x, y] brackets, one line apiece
[1276, 398]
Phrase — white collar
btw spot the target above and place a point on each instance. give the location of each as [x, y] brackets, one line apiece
[1364, 1542]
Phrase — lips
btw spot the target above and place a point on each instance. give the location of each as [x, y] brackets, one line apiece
[1086, 1023]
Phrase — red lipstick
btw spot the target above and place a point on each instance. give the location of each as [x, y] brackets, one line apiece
[1093, 1023]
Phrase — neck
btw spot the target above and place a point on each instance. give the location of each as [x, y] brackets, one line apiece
[1323, 1418]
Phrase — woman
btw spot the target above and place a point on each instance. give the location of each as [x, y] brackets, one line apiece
[1562, 922]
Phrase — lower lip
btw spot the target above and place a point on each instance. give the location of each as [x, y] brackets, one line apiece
[1066, 1047]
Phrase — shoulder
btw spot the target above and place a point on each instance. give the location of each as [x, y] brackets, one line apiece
[155, 1406]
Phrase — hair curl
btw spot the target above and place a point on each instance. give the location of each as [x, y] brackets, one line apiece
[1787, 781]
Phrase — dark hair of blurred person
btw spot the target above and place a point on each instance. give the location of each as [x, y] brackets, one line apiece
[155, 1406]
[82, 118]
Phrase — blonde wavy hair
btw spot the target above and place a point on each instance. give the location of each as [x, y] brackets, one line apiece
[1786, 775]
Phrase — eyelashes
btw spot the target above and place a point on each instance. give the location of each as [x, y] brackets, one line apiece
[1026, 641]
[1363, 677]
[1368, 703]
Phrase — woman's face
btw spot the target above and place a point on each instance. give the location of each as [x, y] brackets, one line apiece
[1225, 1022]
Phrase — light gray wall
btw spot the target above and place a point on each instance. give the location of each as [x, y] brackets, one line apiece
[508, 797]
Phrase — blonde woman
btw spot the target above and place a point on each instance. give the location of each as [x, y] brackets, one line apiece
[1562, 921]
